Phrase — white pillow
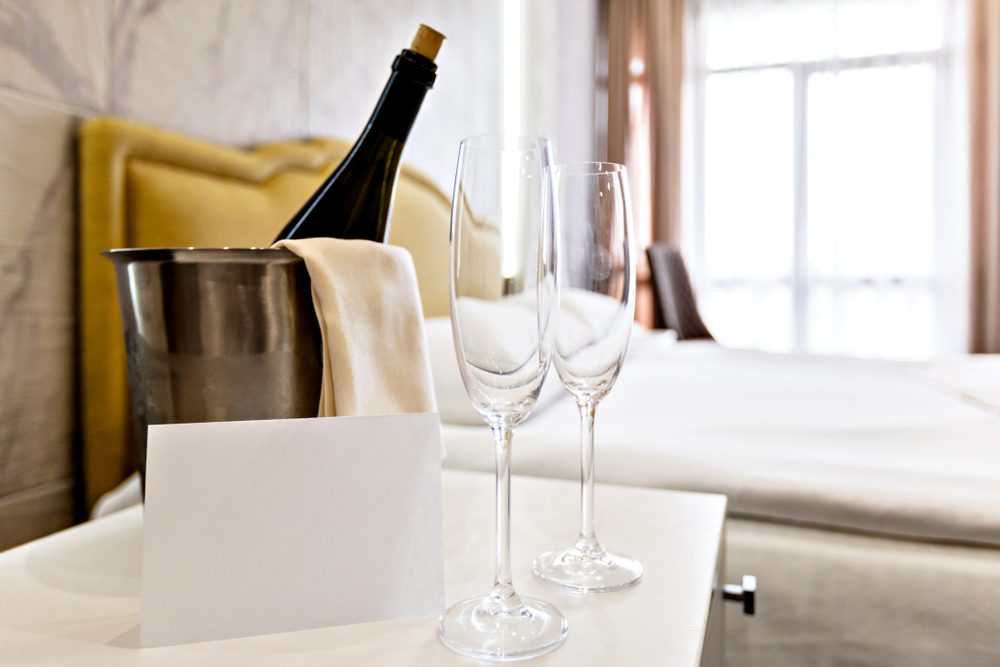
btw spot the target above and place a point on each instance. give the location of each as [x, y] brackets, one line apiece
[453, 403]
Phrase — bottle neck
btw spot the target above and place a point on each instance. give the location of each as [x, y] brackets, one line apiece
[412, 76]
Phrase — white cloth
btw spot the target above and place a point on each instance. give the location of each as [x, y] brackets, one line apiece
[374, 352]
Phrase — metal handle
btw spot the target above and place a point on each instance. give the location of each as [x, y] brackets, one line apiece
[745, 593]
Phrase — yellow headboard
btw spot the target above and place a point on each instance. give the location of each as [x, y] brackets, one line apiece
[144, 187]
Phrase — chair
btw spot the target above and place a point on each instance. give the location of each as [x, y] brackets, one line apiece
[674, 303]
[141, 186]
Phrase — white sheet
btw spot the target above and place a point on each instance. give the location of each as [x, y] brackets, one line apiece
[973, 378]
[852, 444]
[453, 401]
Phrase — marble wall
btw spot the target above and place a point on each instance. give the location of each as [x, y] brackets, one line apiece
[235, 71]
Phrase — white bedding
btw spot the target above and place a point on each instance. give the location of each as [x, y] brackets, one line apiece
[974, 379]
[861, 445]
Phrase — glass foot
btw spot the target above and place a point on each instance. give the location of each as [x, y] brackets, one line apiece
[478, 628]
[583, 571]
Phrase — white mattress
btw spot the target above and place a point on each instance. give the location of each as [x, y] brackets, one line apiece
[895, 449]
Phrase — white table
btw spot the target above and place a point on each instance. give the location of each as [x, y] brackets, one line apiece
[73, 597]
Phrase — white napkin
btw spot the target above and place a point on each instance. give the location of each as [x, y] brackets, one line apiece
[375, 358]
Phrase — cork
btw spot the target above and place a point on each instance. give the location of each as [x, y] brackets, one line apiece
[427, 42]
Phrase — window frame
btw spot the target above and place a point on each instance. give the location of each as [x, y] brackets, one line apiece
[948, 294]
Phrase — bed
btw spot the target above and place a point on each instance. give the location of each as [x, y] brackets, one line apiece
[864, 495]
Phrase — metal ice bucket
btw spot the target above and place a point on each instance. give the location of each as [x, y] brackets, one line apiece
[217, 335]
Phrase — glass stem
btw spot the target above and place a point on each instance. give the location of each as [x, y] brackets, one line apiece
[503, 597]
[587, 541]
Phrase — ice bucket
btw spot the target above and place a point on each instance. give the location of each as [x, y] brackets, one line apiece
[216, 335]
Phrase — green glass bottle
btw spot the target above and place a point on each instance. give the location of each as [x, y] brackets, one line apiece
[356, 200]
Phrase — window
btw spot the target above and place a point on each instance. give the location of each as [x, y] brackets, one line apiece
[827, 165]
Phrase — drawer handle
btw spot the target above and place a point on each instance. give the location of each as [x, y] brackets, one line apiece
[745, 593]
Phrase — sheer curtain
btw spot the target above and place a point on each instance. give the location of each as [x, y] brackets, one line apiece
[828, 174]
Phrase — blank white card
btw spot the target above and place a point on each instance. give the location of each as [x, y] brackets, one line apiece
[272, 526]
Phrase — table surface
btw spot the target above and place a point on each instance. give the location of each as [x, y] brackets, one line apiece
[73, 597]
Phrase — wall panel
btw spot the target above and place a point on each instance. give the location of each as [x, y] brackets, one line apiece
[228, 70]
[55, 50]
[37, 412]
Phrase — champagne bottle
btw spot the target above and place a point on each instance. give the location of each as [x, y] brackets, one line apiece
[356, 200]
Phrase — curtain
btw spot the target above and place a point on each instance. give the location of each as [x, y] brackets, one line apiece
[645, 42]
[645, 77]
[984, 173]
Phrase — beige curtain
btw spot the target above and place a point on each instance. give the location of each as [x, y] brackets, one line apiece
[984, 173]
[646, 46]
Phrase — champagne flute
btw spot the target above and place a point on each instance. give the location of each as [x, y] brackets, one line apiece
[503, 295]
[596, 307]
